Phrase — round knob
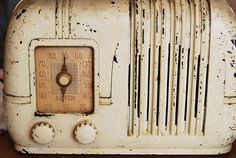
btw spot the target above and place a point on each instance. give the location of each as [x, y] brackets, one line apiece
[85, 133]
[43, 133]
[64, 79]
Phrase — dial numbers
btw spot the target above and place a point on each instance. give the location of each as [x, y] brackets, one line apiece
[64, 80]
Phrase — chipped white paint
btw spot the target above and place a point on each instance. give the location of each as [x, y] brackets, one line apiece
[164, 76]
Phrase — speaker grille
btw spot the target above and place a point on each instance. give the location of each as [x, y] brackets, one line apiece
[168, 73]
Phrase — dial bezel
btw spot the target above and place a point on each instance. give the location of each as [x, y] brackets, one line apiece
[64, 43]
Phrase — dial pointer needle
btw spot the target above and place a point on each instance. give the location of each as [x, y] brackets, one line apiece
[64, 79]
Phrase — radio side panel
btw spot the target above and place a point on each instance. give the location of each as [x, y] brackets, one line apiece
[221, 94]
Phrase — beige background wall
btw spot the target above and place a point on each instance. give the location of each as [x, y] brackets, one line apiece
[232, 4]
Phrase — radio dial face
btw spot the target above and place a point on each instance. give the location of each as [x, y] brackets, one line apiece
[64, 79]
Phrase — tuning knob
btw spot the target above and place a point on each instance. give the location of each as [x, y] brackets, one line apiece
[85, 133]
[64, 79]
[43, 133]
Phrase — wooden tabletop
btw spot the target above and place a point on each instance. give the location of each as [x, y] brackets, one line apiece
[7, 151]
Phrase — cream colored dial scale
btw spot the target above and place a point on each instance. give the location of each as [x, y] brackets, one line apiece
[64, 79]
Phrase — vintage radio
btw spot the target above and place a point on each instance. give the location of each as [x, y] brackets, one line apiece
[121, 77]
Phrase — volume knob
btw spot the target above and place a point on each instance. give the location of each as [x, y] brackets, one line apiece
[85, 133]
[43, 133]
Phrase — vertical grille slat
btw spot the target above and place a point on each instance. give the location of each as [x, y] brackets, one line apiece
[171, 81]
[175, 76]
[152, 67]
[165, 40]
[156, 71]
[145, 76]
[207, 49]
[138, 40]
[169, 67]
[196, 51]
[183, 62]
[190, 109]
[203, 66]
[187, 62]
